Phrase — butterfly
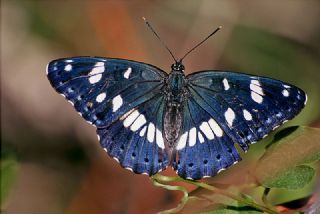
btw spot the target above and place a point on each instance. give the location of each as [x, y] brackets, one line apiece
[147, 119]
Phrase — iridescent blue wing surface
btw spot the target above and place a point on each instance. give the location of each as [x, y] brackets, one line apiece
[120, 97]
[225, 108]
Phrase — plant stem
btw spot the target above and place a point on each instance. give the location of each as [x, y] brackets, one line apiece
[251, 203]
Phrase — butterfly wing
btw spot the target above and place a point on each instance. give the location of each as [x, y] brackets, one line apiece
[234, 108]
[120, 97]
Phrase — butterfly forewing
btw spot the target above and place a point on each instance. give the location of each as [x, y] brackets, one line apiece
[103, 89]
[246, 107]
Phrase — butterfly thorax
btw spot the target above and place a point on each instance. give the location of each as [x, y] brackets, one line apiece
[175, 92]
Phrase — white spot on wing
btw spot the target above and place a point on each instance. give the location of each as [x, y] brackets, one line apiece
[95, 78]
[192, 136]
[151, 132]
[96, 73]
[285, 93]
[215, 127]
[256, 97]
[143, 131]
[247, 115]
[126, 114]
[129, 120]
[127, 73]
[159, 139]
[256, 87]
[230, 116]
[101, 97]
[140, 121]
[182, 141]
[205, 128]
[287, 86]
[200, 137]
[116, 103]
[68, 67]
[226, 84]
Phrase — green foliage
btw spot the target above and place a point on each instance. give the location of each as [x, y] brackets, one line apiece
[285, 153]
[294, 178]
[8, 172]
[282, 166]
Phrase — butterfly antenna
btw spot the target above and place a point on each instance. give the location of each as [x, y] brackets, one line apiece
[164, 44]
[200, 43]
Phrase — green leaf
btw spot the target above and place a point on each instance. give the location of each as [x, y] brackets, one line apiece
[9, 168]
[286, 132]
[300, 147]
[294, 178]
[238, 209]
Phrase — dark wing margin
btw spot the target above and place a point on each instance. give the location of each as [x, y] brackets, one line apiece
[119, 97]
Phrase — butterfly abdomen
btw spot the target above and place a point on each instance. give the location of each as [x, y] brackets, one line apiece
[173, 114]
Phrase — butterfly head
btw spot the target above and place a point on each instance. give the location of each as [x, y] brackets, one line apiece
[178, 66]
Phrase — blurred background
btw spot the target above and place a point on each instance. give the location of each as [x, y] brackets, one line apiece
[51, 161]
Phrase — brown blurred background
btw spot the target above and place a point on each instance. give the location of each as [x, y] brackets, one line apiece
[51, 159]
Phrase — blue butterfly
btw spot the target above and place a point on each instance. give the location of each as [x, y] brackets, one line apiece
[148, 120]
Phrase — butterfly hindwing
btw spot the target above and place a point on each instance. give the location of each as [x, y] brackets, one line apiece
[247, 107]
[136, 140]
[203, 148]
[103, 89]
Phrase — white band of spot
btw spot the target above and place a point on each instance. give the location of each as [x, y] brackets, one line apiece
[226, 84]
[285, 93]
[151, 132]
[127, 73]
[101, 97]
[139, 122]
[182, 141]
[159, 139]
[116, 103]
[247, 115]
[143, 131]
[230, 116]
[256, 97]
[129, 120]
[96, 73]
[256, 87]
[192, 136]
[215, 127]
[68, 67]
[205, 128]
[200, 137]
